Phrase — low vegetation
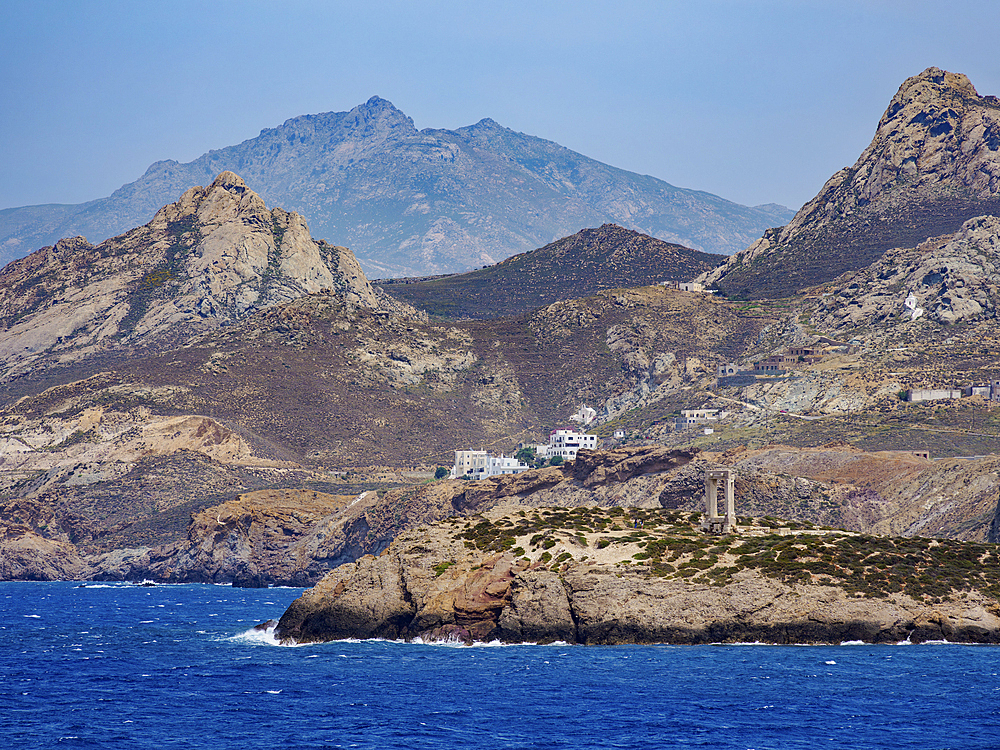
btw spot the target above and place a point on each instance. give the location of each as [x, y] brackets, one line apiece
[670, 544]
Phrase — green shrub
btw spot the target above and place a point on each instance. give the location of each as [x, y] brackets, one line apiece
[442, 567]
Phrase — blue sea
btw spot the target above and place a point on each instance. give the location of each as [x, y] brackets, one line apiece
[127, 666]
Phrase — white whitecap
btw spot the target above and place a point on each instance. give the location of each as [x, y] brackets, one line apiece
[34, 617]
[829, 661]
[258, 637]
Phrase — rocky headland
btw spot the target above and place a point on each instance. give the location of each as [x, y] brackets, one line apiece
[595, 576]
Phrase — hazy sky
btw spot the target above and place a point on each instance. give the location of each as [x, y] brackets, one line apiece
[758, 102]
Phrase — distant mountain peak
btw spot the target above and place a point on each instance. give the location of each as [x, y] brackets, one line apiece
[409, 202]
[380, 113]
[933, 163]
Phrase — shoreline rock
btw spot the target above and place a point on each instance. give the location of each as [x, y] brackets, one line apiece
[430, 585]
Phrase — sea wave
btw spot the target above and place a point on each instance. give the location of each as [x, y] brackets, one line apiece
[260, 637]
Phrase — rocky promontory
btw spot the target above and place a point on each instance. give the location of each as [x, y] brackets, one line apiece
[594, 576]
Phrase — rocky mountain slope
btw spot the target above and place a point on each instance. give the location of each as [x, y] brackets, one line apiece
[220, 351]
[216, 256]
[943, 280]
[580, 265]
[592, 577]
[411, 202]
[933, 164]
[214, 396]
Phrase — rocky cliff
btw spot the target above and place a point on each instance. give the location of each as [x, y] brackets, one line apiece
[933, 164]
[411, 202]
[593, 577]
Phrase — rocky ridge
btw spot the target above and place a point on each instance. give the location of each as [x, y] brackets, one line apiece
[413, 202]
[216, 256]
[590, 261]
[933, 163]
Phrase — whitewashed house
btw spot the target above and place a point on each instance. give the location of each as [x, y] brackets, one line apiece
[480, 464]
[566, 442]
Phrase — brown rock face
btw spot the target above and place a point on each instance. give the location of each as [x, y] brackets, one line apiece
[596, 468]
[27, 556]
[933, 164]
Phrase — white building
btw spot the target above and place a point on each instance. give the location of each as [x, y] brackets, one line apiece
[700, 416]
[566, 442]
[585, 416]
[480, 464]
[932, 394]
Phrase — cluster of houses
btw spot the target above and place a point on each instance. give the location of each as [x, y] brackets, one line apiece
[564, 442]
[990, 391]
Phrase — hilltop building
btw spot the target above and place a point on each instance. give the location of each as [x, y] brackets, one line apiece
[683, 286]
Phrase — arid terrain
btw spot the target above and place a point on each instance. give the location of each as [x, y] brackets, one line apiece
[217, 396]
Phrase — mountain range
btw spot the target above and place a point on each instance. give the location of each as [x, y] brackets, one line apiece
[413, 202]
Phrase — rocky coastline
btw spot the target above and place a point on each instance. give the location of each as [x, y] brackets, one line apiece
[448, 582]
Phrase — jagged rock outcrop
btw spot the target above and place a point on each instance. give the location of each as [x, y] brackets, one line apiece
[434, 584]
[28, 556]
[267, 537]
[933, 164]
[411, 202]
[945, 280]
[214, 257]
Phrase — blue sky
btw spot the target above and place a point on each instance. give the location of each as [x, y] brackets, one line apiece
[755, 101]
